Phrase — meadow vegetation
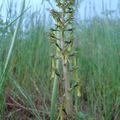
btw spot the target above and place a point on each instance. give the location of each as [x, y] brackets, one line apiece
[27, 87]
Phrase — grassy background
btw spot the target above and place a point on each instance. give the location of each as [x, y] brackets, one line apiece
[27, 79]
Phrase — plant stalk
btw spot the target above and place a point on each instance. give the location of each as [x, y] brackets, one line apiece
[54, 94]
[68, 98]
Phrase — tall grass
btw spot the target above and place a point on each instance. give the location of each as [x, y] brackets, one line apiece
[28, 73]
[8, 57]
[99, 63]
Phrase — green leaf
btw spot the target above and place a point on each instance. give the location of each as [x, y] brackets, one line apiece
[80, 116]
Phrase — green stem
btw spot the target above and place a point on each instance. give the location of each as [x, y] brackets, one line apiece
[54, 94]
[68, 98]
[12, 43]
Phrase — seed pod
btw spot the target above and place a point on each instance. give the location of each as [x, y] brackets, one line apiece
[76, 77]
[53, 67]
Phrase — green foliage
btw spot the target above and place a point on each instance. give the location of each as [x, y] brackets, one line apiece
[98, 43]
[80, 116]
[99, 61]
